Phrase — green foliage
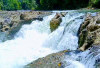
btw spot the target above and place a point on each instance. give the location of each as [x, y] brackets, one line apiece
[47, 4]
[95, 3]
[13, 5]
[28, 4]
[17, 4]
[1, 5]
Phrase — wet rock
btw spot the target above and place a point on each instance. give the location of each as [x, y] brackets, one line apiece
[98, 21]
[5, 28]
[98, 65]
[63, 14]
[11, 19]
[39, 18]
[33, 15]
[55, 22]
[54, 60]
[89, 32]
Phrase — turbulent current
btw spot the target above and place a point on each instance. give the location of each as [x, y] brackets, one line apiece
[35, 40]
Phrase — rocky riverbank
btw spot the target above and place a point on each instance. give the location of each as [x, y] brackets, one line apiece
[89, 33]
[11, 19]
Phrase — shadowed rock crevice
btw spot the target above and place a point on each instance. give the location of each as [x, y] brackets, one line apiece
[89, 32]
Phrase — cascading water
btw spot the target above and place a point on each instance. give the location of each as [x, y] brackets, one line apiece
[27, 45]
[35, 40]
[87, 59]
[59, 39]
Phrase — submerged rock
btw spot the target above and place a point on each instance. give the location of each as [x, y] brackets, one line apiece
[89, 32]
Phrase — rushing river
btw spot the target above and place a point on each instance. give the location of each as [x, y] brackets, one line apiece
[35, 40]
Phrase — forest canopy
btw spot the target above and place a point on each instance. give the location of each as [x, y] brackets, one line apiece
[47, 4]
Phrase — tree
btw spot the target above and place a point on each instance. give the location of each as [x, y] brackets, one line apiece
[1, 4]
[94, 3]
[17, 4]
[13, 5]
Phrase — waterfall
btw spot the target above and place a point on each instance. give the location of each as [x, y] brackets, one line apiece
[35, 40]
[91, 57]
[65, 37]
[87, 59]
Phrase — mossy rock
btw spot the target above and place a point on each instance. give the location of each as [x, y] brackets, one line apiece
[55, 22]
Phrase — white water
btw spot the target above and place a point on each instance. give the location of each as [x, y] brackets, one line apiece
[65, 37]
[91, 58]
[86, 59]
[73, 60]
[27, 45]
[35, 41]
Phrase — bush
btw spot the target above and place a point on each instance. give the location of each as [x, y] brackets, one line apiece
[17, 4]
[96, 4]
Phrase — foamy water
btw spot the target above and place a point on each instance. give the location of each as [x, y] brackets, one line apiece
[35, 40]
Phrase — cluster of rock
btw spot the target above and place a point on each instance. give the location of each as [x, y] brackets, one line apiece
[89, 38]
[10, 19]
[89, 32]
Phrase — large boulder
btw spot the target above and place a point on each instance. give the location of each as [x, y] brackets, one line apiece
[55, 22]
[89, 32]
[54, 60]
